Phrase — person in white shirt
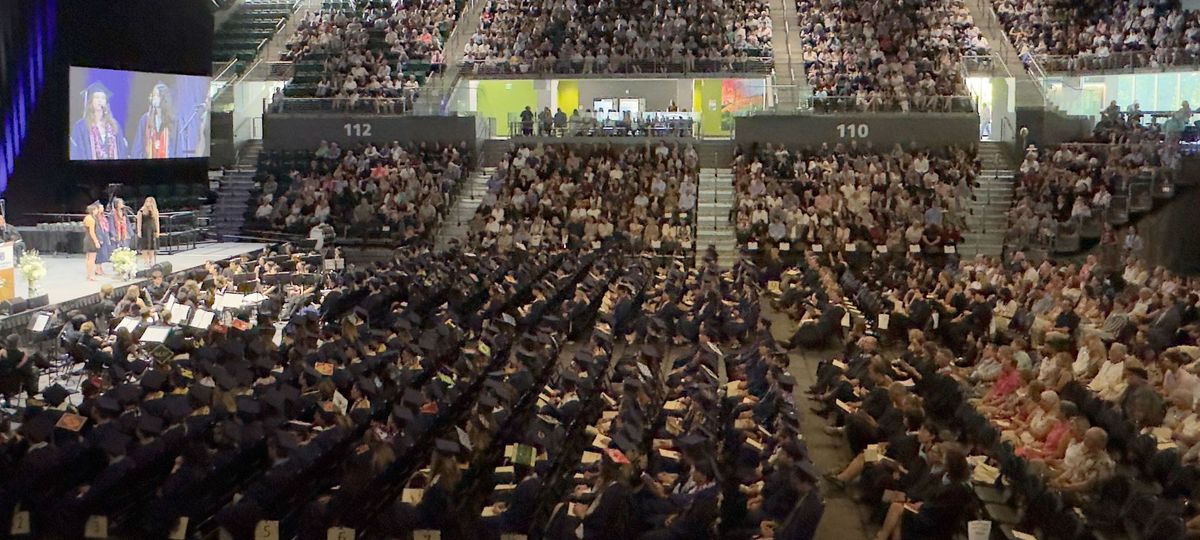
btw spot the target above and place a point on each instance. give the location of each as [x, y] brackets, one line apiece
[1176, 376]
[1109, 382]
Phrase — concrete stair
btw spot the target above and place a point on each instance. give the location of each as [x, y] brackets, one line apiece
[987, 218]
[457, 221]
[715, 196]
[233, 195]
[791, 86]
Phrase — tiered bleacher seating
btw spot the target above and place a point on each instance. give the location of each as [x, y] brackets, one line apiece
[249, 29]
[403, 191]
[409, 57]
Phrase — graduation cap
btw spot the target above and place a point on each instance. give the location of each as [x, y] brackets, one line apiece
[114, 442]
[93, 89]
[108, 403]
[264, 362]
[153, 380]
[403, 413]
[625, 440]
[275, 399]
[39, 427]
[413, 396]
[252, 433]
[448, 447]
[201, 393]
[55, 394]
[223, 378]
[150, 424]
[428, 341]
[248, 405]
[690, 441]
[138, 366]
[176, 407]
[571, 375]
[342, 378]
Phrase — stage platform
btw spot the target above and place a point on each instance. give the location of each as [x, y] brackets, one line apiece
[65, 279]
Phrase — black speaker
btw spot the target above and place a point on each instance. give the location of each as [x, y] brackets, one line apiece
[39, 301]
[164, 267]
[17, 305]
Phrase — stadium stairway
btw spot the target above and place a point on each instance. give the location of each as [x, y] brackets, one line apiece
[1028, 89]
[713, 209]
[987, 218]
[458, 220]
[791, 84]
[233, 196]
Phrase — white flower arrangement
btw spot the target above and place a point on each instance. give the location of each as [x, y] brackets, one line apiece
[33, 269]
[124, 261]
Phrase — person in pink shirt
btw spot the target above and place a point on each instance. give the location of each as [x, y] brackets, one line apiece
[1009, 380]
[1060, 435]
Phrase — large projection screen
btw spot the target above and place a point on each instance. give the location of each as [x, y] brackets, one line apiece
[134, 115]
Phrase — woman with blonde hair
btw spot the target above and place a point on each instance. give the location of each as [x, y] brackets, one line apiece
[148, 230]
[91, 242]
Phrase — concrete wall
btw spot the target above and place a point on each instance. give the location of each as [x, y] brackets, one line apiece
[1170, 233]
[713, 153]
[284, 131]
[1047, 127]
[881, 130]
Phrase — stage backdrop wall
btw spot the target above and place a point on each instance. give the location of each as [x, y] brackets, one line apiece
[140, 35]
[881, 130]
[306, 131]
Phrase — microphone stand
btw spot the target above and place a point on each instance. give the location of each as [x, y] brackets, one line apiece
[183, 129]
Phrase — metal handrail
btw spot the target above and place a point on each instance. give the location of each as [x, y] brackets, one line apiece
[706, 66]
[1124, 61]
[934, 104]
[991, 63]
[586, 128]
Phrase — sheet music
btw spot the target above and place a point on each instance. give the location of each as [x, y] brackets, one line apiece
[156, 334]
[40, 322]
[180, 313]
[128, 323]
[202, 319]
[234, 300]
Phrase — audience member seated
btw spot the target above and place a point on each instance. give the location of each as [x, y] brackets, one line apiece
[1076, 182]
[621, 36]
[403, 191]
[1102, 34]
[894, 56]
[997, 388]
[378, 53]
[845, 196]
[552, 195]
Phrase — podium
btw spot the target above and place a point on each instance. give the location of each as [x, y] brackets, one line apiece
[8, 277]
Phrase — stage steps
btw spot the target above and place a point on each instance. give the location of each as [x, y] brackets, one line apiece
[458, 221]
[987, 218]
[715, 202]
[234, 195]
